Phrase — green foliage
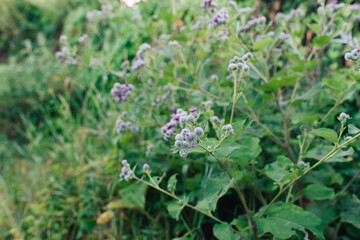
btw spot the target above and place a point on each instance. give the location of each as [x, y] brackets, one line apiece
[284, 222]
[60, 153]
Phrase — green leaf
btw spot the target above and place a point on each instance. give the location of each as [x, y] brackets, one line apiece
[315, 27]
[322, 40]
[174, 208]
[304, 117]
[132, 196]
[321, 151]
[225, 149]
[280, 80]
[351, 213]
[224, 231]
[239, 127]
[172, 181]
[283, 221]
[247, 151]
[214, 189]
[324, 210]
[278, 169]
[326, 133]
[352, 129]
[262, 43]
[318, 192]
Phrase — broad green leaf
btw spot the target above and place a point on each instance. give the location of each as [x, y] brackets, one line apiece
[321, 40]
[352, 129]
[318, 192]
[132, 196]
[224, 231]
[304, 117]
[352, 210]
[239, 127]
[248, 150]
[262, 43]
[324, 210]
[283, 221]
[225, 149]
[326, 133]
[175, 207]
[279, 168]
[321, 151]
[214, 189]
[280, 80]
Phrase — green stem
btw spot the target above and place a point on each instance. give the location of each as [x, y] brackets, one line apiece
[234, 98]
[346, 187]
[241, 196]
[178, 199]
[334, 150]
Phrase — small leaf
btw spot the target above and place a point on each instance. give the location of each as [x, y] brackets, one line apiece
[319, 192]
[352, 129]
[172, 181]
[132, 196]
[322, 40]
[224, 231]
[262, 43]
[316, 28]
[326, 133]
[279, 168]
[174, 208]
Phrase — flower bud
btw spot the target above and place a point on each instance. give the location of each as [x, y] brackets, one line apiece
[183, 153]
[199, 132]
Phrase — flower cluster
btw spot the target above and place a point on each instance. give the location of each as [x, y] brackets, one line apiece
[126, 172]
[353, 55]
[63, 39]
[187, 139]
[208, 4]
[329, 8]
[162, 97]
[255, 21]
[139, 59]
[343, 116]
[66, 56]
[280, 17]
[221, 36]
[105, 10]
[122, 126]
[174, 44]
[240, 63]
[228, 129]
[178, 119]
[149, 149]
[121, 92]
[83, 38]
[220, 18]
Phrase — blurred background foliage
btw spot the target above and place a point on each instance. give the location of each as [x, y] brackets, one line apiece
[59, 154]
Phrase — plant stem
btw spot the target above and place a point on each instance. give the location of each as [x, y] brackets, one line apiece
[326, 157]
[177, 198]
[338, 102]
[241, 196]
[346, 187]
[234, 98]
